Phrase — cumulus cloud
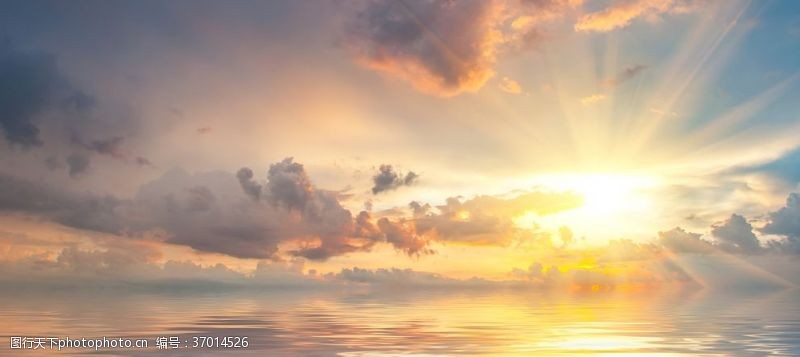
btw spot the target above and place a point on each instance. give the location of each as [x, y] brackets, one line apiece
[678, 240]
[250, 187]
[621, 13]
[403, 237]
[786, 222]
[289, 189]
[736, 234]
[388, 179]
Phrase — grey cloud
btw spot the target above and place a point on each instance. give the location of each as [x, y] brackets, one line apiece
[289, 185]
[52, 163]
[418, 209]
[84, 211]
[736, 234]
[680, 241]
[401, 277]
[207, 212]
[111, 147]
[29, 83]
[250, 187]
[37, 99]
[786, 222]
[388, 179]
[199, 198]
[78, 164]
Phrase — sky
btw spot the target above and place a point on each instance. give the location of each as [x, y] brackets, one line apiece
[542, 142]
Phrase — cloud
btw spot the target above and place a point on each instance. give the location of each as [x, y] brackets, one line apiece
[397, 277]
[78, 164]
[219, 212]
[621, 13]
[510, 86]
[83, 211]
[440, 47]
[736, 234]
[784, 169]
[592, 99]
[627, 74]
[250, 187]
[387, 179]
[30, 84]
[112, 147]
[786, 222]
[403, 237]
[290, 186]
[678, 240]
[289, 189]
[487, 220]
[37, 99]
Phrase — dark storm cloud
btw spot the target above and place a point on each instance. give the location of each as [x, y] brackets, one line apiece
[29, 85]
[388, 179]
[736, 235]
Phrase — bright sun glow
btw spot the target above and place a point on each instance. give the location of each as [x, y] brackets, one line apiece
[610, 202]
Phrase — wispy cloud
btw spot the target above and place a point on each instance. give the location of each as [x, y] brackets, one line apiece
[621, 13]
[593, 99]
[510, 86]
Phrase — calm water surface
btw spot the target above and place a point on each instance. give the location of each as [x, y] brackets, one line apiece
[421, 323]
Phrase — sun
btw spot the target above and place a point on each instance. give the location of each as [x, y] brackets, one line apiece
[614, 204]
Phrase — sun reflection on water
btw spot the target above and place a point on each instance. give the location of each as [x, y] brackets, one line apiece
[424, 323]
